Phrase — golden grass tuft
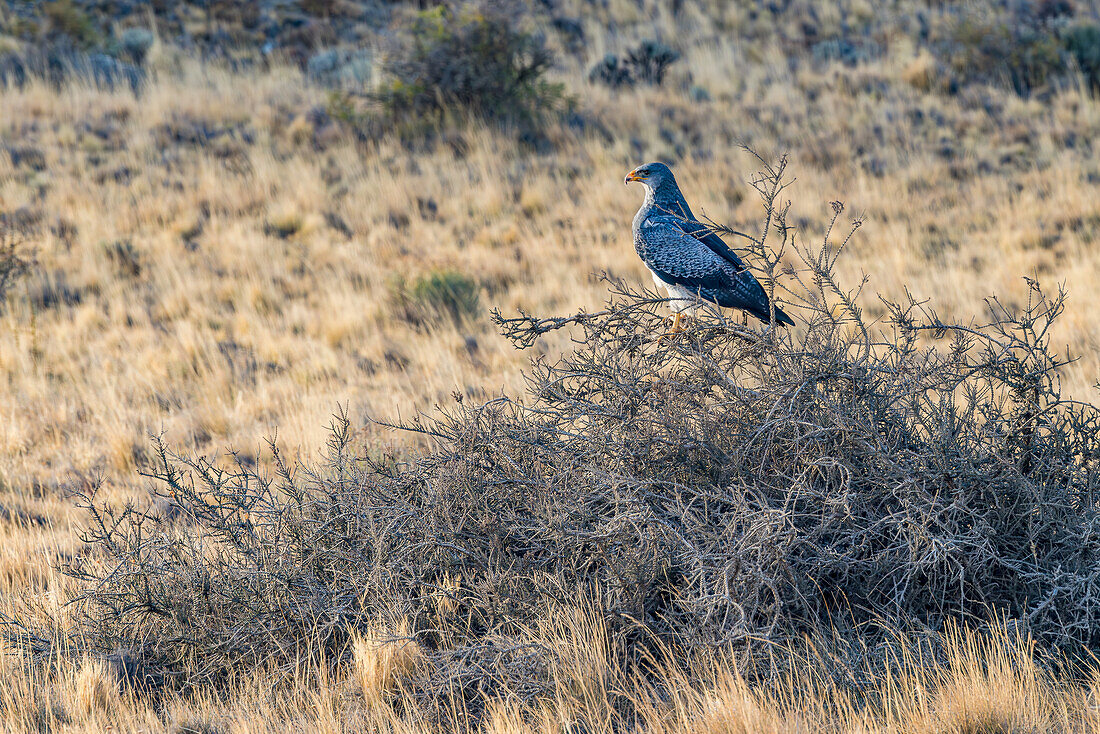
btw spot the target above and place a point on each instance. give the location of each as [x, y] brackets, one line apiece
[382, 658]
[981, 682]
[987, 685]
[95, 687]
[580, 654]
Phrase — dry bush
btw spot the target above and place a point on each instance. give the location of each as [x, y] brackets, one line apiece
[729, 487]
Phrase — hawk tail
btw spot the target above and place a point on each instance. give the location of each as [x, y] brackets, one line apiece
[781, 318]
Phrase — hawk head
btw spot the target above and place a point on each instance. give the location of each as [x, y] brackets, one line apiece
[651, 175]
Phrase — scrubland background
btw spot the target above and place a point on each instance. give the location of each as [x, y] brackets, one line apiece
[228, 241]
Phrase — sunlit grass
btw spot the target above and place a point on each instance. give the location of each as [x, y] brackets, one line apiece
[975, 683]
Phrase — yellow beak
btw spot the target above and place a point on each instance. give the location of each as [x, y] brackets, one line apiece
[632, 176]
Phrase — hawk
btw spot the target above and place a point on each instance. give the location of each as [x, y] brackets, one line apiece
[686, 258]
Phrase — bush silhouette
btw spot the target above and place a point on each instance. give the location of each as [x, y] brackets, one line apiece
[650, 61]
[647, 63]
[1083, 43]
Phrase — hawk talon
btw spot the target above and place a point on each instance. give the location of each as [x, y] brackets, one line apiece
[676, 329]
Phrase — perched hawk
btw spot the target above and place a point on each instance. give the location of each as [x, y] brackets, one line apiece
[686, 258]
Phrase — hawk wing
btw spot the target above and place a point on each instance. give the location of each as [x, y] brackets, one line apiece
[686, 222]
[680, 257]
[713, 242]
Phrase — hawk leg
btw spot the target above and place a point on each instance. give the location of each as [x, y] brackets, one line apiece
[677, 328]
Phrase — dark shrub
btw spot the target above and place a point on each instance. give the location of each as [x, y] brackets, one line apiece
[13, 70]
[611, 72]
[478, 61]
[650, 61]
[647, 63]
[23, 221]
[14, 261]
[571, 31]
[847, 51]
[60, 61]
[1082, 41]
[201, 132]
[51, 289]
[1052, 10]
[732, 486]
[29, 156]
[124, 256]
[283, 226]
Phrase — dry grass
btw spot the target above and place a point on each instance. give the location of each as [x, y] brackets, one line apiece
[971, 683]
[382, 658]
[242, 305]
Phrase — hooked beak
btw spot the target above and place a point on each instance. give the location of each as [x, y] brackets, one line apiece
[632, 176]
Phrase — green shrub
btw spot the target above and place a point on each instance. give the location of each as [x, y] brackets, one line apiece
[437, 295]
[66, 18]
[1082, 41]
[476, 61]
[1032, 47]
[612, 72]
[992, 49]
[1022, 48]
[341, 67]
[134, 44]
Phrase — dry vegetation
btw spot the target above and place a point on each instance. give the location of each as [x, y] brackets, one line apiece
[976, 683]
[224, 255]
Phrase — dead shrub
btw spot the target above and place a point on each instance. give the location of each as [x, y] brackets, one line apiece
[727, 488]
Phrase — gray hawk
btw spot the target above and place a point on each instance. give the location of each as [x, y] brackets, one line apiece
[686, 258]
